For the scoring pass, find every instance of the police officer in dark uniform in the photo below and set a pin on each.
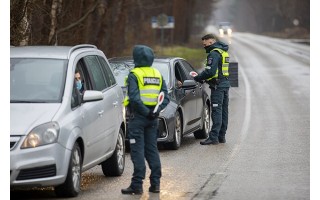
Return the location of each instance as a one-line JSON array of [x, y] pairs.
[[216, 75], [144, 85]]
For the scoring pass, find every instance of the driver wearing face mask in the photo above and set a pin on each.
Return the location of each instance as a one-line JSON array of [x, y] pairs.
[[79, 83]]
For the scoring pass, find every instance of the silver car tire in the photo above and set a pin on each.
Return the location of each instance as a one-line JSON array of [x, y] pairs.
[[71, 186], [114, 166]]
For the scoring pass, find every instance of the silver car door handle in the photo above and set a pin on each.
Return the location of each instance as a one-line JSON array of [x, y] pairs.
[[101, 113]]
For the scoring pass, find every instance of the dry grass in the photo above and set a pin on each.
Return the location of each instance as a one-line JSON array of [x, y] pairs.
[[196, 56]]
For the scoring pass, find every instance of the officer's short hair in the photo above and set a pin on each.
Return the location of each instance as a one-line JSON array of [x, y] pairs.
[[208, 36]]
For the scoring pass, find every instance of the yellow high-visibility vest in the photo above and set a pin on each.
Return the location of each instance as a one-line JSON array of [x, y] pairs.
[[225, 63], [126, 98], [149, 83]]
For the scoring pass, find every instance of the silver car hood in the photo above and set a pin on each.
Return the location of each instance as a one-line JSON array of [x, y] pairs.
[[25, 116]]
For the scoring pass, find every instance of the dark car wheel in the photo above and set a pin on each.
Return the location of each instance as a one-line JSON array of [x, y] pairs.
[[204, 131], [71, 187], [175, 144], [114, 166]]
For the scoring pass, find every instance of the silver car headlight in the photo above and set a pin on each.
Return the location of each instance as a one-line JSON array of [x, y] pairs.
[[42, 135]]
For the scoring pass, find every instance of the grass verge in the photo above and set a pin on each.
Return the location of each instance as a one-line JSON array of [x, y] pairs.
[[195, 56]]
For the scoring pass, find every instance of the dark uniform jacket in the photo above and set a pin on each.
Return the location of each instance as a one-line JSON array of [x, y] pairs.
[[142, 57], [213, 62]]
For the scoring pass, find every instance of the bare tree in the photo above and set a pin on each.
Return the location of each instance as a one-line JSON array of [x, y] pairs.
[[54, 20], [19, 23], [261, 16], [116, 25]]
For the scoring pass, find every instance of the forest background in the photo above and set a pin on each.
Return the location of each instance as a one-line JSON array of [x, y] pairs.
[[114, 26]]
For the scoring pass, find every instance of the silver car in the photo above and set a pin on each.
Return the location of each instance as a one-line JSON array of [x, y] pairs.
[[66, 117]]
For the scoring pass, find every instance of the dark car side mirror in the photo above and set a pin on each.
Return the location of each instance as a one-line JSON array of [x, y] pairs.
[[189, 84]]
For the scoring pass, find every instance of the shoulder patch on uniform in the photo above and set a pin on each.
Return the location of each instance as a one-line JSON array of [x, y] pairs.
[[210, 60]]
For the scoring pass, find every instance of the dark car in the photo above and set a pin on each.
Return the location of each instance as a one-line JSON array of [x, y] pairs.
[[225, 29], [189, 107]]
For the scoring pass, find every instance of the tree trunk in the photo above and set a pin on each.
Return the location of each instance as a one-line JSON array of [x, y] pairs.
[[54, 20], [19, 23]]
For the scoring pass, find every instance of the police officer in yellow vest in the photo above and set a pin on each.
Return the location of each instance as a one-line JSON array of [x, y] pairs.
[[216, 75], [144, 85]]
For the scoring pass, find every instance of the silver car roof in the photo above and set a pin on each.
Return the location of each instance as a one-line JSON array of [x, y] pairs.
[[57, 52]]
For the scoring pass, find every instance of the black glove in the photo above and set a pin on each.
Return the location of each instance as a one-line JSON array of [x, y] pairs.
[[196, 78], [152, 115]]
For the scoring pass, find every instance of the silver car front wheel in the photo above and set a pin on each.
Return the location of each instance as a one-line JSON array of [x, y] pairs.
[[71, 187]]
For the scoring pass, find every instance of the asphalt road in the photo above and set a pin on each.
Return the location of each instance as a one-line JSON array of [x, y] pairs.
[[267, 154]]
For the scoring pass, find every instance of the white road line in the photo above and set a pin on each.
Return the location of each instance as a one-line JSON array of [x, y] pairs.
[[246, 121], [215, 180]]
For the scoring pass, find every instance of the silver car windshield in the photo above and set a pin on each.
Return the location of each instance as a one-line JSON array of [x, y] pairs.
[[37, 80]]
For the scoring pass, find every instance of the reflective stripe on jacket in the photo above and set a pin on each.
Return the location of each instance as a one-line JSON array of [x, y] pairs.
[[126, 98], [149, 83], [225, 63]]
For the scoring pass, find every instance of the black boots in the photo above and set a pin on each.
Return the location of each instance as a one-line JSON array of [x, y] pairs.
[[222, 140], [209, 141], [154, 188], [129, 190]]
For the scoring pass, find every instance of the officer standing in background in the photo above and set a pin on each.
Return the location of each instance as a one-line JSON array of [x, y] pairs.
[[144, 85], [216, 75]]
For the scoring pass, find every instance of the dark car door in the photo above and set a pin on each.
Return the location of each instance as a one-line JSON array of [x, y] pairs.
[[197, 92], [186, 97]]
